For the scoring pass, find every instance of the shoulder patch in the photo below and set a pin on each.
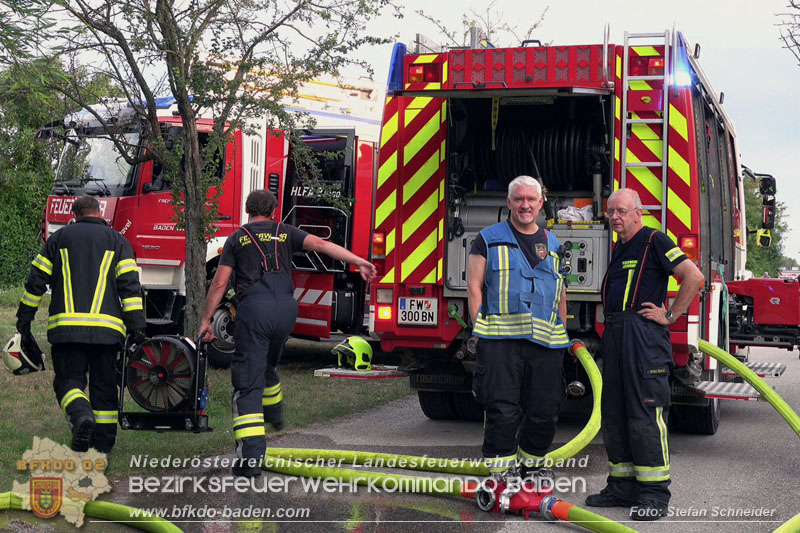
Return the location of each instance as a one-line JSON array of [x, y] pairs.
[[541, 250]]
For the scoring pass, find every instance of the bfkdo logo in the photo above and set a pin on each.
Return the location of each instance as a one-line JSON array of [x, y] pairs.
[[46, 495]]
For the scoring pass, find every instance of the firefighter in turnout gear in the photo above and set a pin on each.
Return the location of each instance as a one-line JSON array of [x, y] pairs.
[[637, 357], [95, 301], [258, 258], [517, 303]]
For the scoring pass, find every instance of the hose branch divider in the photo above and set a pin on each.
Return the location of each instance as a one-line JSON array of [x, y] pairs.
[[113, 512], [306, 463]]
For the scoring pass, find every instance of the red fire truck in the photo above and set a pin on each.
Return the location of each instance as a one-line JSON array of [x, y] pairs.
[[586, 120], [137, 202]]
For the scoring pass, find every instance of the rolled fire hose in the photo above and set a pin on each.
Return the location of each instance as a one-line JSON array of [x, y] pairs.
[[294, 461], [105, 511]]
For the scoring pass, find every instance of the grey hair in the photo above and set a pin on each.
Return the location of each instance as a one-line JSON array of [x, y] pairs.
[[637, 202], [524, 181]]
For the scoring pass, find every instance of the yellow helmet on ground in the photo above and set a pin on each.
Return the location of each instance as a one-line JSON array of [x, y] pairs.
[[354, 352]]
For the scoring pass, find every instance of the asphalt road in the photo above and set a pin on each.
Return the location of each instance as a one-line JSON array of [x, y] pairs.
[[751, 465]]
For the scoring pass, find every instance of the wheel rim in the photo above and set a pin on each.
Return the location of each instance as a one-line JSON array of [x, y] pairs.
[[222, 327]]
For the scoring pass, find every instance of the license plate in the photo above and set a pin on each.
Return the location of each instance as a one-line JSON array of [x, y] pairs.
[[418, 311]]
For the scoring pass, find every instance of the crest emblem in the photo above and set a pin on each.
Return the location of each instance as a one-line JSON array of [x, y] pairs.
[[541, 250], [46, 495]]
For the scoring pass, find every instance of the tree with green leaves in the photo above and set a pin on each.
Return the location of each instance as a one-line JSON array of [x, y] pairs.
[[230, 60]]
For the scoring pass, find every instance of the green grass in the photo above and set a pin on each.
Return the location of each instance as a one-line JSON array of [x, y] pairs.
[[28, 405]]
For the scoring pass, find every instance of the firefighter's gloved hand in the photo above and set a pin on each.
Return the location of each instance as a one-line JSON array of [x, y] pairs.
[[138, 337], [24, 326]]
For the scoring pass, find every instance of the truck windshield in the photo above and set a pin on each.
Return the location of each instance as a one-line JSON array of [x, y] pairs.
[[92, 164]]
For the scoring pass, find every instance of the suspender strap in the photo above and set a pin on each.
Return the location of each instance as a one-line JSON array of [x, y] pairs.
[[639, 273], [263, 255]]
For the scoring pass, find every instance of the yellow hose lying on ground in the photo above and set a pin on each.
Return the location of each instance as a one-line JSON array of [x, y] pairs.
[[106, 511]]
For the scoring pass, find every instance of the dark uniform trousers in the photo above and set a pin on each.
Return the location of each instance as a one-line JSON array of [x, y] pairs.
[[264, 320], [518, 381], [637, 356], [71, 362]]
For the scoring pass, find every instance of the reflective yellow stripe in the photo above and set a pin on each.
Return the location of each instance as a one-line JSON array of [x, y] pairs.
[[387, 168], [421, 138], [389, 277], [426, 248], [386, 208], [86, 319], [673, 254], [497, 325], [389, 129], [420, 177], [621, 469], [680, 209], [133, 303], [43, 264], [105, 417], [70, 396], [419, 216], [662, 430], [679, 166], [645, 176], [639, 85], [273, 389], [645, 50], [390, 242], [100, 288], [678, 122], [255, 431], [125, 266], [30, 299], [272, 395], [69, 304], [627, 289], [248, 419], [427, 58], [503, 262]]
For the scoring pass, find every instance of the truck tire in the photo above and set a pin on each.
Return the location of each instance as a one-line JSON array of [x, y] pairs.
[[697, 420], [466, 407], [437, 405]]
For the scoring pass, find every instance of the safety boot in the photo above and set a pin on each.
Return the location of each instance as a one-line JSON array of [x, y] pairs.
[[648, 510], [607, 499], [82, 431]]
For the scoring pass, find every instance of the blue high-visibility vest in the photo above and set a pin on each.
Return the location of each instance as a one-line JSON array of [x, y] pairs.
[[521, 301]]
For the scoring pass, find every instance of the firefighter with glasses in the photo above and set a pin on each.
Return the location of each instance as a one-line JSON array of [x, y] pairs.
[[517, 302], [637, 358], [95, 302], [258, 256]]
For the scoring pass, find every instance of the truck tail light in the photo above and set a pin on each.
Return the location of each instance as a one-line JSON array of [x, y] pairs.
[[429, 72], [688, 243], [379, 251], [646, 66], [384, 312]]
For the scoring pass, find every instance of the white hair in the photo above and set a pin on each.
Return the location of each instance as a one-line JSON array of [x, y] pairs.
[[637, 202], [524, 181]]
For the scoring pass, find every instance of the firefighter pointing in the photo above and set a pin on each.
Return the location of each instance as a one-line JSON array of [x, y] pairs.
[[258, 256], [95, 300], [517, 303], [637, 357]]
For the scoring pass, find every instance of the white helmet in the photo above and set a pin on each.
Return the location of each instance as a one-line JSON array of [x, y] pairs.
[[22, 355]]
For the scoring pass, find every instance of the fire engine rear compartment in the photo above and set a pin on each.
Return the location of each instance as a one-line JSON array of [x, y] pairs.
[[563, 139]]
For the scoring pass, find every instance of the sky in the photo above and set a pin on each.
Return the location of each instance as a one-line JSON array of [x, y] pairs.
[[741, 53]]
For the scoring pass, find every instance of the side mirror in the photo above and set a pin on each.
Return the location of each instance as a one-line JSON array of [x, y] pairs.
[[768, 212], [763, 238], [147, 187], [766, 185]]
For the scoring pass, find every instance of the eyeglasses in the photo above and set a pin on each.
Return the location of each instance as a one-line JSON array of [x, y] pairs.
[[621, 212]]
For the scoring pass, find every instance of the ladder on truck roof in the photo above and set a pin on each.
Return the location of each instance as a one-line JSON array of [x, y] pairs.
[[663, 120]]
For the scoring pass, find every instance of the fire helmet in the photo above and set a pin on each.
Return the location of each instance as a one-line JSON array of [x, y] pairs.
[[354, 352], [22, 355]]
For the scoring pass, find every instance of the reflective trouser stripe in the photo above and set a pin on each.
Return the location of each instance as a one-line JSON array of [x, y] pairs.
[[105, 417], [528, 459], [652, 473], [70, 396], [621, 469], [662, 432], [272, 395], [500, 464], [251, 425]]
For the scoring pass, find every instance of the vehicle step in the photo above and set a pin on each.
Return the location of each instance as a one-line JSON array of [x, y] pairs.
[[377, 372], [724, 390], [762, 369], [159, 321]]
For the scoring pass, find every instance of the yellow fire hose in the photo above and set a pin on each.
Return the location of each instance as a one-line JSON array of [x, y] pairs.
[[105, 511]]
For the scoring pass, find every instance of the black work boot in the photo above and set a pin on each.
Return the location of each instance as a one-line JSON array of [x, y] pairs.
[[246, 468], [648, 510], [607, 499], [82, 430]]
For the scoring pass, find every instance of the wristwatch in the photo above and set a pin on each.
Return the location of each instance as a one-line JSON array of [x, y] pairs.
[[670, 318]]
